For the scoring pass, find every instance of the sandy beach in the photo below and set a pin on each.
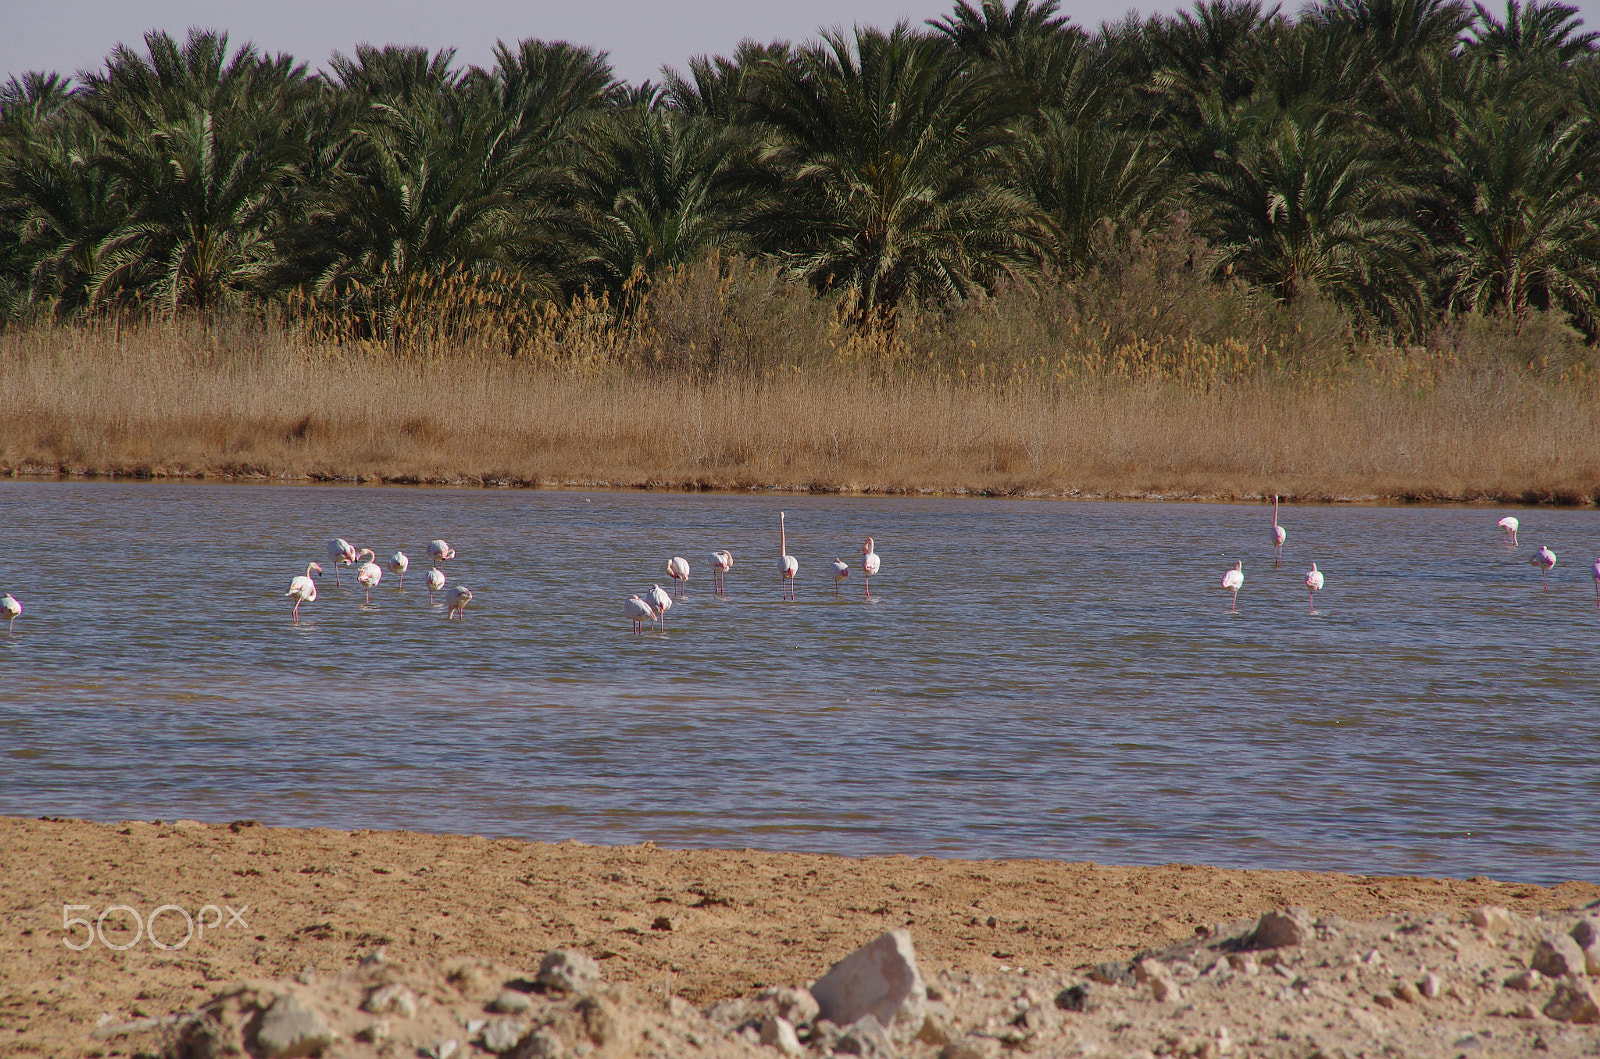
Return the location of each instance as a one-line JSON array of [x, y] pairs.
[[705, 925]]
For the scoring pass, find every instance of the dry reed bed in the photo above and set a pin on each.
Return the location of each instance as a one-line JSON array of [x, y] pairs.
[[179, 401]]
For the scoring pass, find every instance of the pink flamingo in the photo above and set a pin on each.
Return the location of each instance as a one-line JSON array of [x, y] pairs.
[[788, 565], [13, 610], [1314, 581], [1544, 559], [1232, 581], [841, 570], [302, 589], [369, 573], [721, 563], [678, 570], [1509, 525], [340, 551], [1278, 533], [457, 599], [660, 602], [638, 611], [869, 563], [399, 563], [435, 581]]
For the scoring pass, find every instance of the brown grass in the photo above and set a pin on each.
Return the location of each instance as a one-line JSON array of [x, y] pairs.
[[729, 380]]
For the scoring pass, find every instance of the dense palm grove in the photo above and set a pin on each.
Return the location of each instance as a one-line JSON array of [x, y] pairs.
[[1410, 159]]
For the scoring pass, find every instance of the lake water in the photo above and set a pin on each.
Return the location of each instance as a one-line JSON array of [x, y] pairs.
[[1029, 679]]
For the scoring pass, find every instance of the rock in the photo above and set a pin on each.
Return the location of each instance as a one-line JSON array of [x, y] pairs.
[[797, 1006], [1574, 1002], [1557, 956], [1085, 996], [936, 1029], [1407, 992], [778, 1032], [1431, 985], [1164, 988], [971, 1048], [1113, 974], [1492, 918], [290, 1028], [568, 970], [391, 998], [1527, 981], [540, 1045], [879, 979], [865, 1037], [502, 1035], [511, 1002], [600, 1019], [1244, 963], [1586, 933], [1276, 930]]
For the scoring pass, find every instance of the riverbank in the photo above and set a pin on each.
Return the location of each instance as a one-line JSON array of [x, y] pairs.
[[706, 925], [178, 401]]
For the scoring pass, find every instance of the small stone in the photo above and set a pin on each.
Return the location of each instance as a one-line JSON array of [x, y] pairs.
[[476, 1026], [1276, 930], [511, 1002], [1586, 933], [1407, 992], [879, 979], [1085, 996], [1557, 956], [1243, 963], [1492, 918], [1527, 981], [1431, 985], [936, 1029], [380, 1030], [971, 1048], [1113, 974], [1164, 988], [1574, 1002], [446, 1048], [778, 1032], [541, 1045], [502, 1035], [568, 970], [865, 1037], [600, 1019], [1383, 1000], [661, 923], [290, 1029], [394, 998], [798, 1006]]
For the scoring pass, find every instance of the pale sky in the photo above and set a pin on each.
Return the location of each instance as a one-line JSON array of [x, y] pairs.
[[641, 35]]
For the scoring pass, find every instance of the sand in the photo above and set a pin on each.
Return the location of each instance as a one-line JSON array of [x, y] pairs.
[[702, 924]]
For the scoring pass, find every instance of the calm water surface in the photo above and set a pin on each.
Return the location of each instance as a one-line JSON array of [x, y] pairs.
[[1029, 678]]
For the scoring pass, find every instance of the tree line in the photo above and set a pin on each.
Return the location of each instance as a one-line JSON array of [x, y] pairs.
[[1408, 159]]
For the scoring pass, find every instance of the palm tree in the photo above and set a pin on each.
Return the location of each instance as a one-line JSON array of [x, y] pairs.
[[1534, 30], [889, 150]]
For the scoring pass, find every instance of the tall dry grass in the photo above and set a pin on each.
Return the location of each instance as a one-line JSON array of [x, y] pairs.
[[1151, 381]]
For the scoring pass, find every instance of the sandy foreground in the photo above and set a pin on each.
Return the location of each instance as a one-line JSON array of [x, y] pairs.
[[456, 920]]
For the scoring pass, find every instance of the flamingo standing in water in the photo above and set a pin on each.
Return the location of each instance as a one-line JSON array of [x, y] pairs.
[[1509, 525], [302, 589], [369, 573], [1278, 533], [788, 565], [439, 551], [1544, 559], [841, 570], [13, 610], [638, 611], [721, 563], [869, 563], [678, 570], [660, 602], [1314, 581], [435, 581], [399, 564], [340, 551], [457, 598], [1232, 581], [1596, 584]]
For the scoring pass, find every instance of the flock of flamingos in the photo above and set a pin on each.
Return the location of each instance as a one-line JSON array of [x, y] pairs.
[[652, 607]]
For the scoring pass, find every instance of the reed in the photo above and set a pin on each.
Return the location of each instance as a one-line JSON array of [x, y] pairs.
[[726, 378]]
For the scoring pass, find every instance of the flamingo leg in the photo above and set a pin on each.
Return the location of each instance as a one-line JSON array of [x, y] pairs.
[[297, 612]]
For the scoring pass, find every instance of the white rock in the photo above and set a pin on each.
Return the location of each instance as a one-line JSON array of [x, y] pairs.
[[502, 1035], [290, 1029], [778, 1032], [1492, 918], [1557, 956], [798, 1006], [1289, 926], [391, 998], [879, 979], [569, 970], [511, 1002]]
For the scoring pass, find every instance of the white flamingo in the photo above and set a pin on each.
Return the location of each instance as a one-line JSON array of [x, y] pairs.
[[1544, 559], [340, 551], [435, 581], [1232, 581], [1314, 581], [1596, 584], [457, 598], [661, 602], [302, 589], [788, 565], [678, 570], [1509, 525], [638, 611], [439, 551], [721, 563], [841, 570], [369, 573], [399, 564], [869, 563], [13, 610], [1278, 533]]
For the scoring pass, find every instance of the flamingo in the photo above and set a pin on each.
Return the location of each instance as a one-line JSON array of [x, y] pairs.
[[369, 573], [1233, 580], [1509, 524], [721, 563], [399, 564], [1596, 584], [661, 603], [340, 551], [302, 589], [1314, 581], [841, 570], [1278, 532], [869, 563], [678, 570], [13, 610], [435, 581], [638, 611], [788, 565], [1544, 559], [439, 551], [457, 598]]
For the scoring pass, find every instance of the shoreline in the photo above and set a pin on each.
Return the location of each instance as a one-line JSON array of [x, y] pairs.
[[714, 924]]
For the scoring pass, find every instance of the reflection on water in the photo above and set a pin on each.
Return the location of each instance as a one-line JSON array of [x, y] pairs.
[[1029, 679]]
